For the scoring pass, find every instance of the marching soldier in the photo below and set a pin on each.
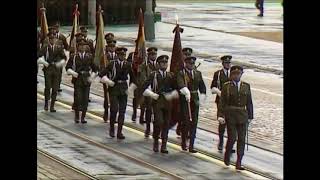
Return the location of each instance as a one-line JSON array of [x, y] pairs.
[[53, 58], [83, 71], [259, 6], [219, 78], [236, 109], [111, 55], [145, 70], [162, 91], [84, 31], [186, 52], [63, 40], [116, 76], [189, 82]]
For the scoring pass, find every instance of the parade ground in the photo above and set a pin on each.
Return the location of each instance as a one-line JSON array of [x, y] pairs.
[[85, 151]]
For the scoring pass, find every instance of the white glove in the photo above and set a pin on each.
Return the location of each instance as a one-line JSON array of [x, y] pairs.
[[171, 95], [107, 81], [249, 120], [61, 63], [221, 120], [151, 94], [185, 91], [132, 87], [215, 90], [93, 75], [42, 61], [72, 72], [202, 98]]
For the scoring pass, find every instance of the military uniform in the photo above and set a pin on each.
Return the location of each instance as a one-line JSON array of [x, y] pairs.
[[53, 55], [82, 64], [235, 108], [110, 56], [144, 72], [219, 78], [161, 82], [192, 80], [118, 72]]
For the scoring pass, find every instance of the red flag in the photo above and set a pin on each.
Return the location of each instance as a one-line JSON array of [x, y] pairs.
[[75, 28], [176, 65], [99, 56], [43, 23], [140, 50]]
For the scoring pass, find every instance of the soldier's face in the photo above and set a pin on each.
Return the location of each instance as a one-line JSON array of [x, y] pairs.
[[163, 65], [122, 56], [85, 34], [226, 65], [152, 56], [236, 76], [189, 65]]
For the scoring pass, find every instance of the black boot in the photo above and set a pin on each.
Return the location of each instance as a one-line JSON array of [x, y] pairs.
[[147, 132], [76, 117], [83, 115], [52, 106], [134, 114], [178, 130], [111, 130], [238, 164], [164, 146], [46, 104], [191, 149], [119, 133], [156, 145]]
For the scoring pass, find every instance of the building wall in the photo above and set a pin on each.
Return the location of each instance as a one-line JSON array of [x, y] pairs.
[[115, 11]]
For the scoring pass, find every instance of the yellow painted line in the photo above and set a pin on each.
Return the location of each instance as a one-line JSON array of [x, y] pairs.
[[174, 146]]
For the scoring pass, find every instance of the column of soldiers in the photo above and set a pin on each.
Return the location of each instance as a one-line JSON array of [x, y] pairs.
[[157, 86]]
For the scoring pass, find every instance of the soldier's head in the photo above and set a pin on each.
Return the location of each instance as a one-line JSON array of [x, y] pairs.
[[111, 45], [121, 53], [56, 25], [236, 73], [226, 61], [186, 52], [189, 62], [79, 37], [53, 30], [152, 53], [82, 46], [163, 62], [109, 36], [52, 38], [84, 31]]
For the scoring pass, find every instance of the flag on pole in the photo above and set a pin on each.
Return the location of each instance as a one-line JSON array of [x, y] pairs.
[[75, 29], [140, 50], [43, 23], [176, 65], [100, 58]]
